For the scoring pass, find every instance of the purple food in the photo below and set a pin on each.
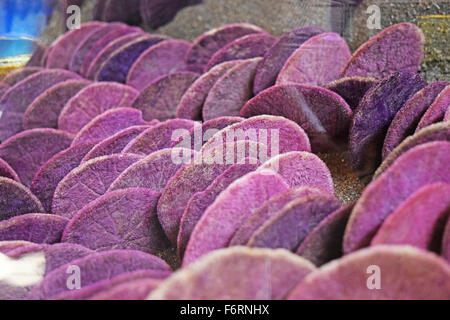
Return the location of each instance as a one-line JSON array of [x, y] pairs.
[[324, 242], [352, 89], [374, 115], [122, 219], [207, 44], [191, 103], [161, 98], [436, 111], [130, 290], [311, 64], [3, 88], [88, 182], [406, 274], [54, 170], [323, 114], [16, 199], [276, 56], [447, 115], [44, 111], [231, 91], [14, 77], [162, 59], [22, 154], [427, 163], [157, 137], [108, 124], [37, 228], [116, 67], [419, 220], [397, 48], [6, 246], [224, 217], [246, 47], [7, 172], [273, 274], [92, 101], [408, 117]]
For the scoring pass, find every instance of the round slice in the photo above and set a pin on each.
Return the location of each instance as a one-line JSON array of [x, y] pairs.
[[16, 199], [161, 98], [207, 44], [397, 48], [122, 219], [6, 246], [88, 182], [8, 172], [159, 60], [422, 165], [379, 273], [130, 290], [436, 111], [231, 91], [323, 114], [311, 63], [92, 101], [352, 89], [20, 74], [273, 274], [27, 151], [33, 227]]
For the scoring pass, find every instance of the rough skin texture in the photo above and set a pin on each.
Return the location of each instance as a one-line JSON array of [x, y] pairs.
[[352, 89], [8, 172], [436, 112]]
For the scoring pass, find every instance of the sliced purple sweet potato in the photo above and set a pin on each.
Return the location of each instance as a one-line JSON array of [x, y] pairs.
[[311, 63], [3, 88], [116, 67], [157, 137], [408, 117], [436, 132], [115, 143], [156, 13], [246, 47], [96, 267], [289, 227], [446, 242], [14, 77], [130, 290], [301, 169], [162, 59], [152, 172], [437, 110], [273, 274], [92, 101], [406, 274], [54, 170], [37, 228], [102, 56], [7, 172], [27, 151], [397, 48], [62, 50], [374, 115], [88, 182], [199, 135], [231, 91], [323, 114], [44, 111], [224, 217], [267, 211], [207, 44], [447, 115], [352, 89], [108, 124], [122, 219], [161, 98], [200, 201], [275, 58], [427, 163], [85, 46], [16, 199], [191, 104], [419, 220], [16, 100], [6, 246], [197, 176], [324, 242]]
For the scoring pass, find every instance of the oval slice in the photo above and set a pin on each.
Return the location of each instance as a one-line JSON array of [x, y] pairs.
[[273, 274], [352, 89], [426, 163], [20, 74], [310, 64], [8, 172], [397, 48], [23, 155], [406, 274], [436, 111], [130, 290], [162, 59], [88, 182]]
